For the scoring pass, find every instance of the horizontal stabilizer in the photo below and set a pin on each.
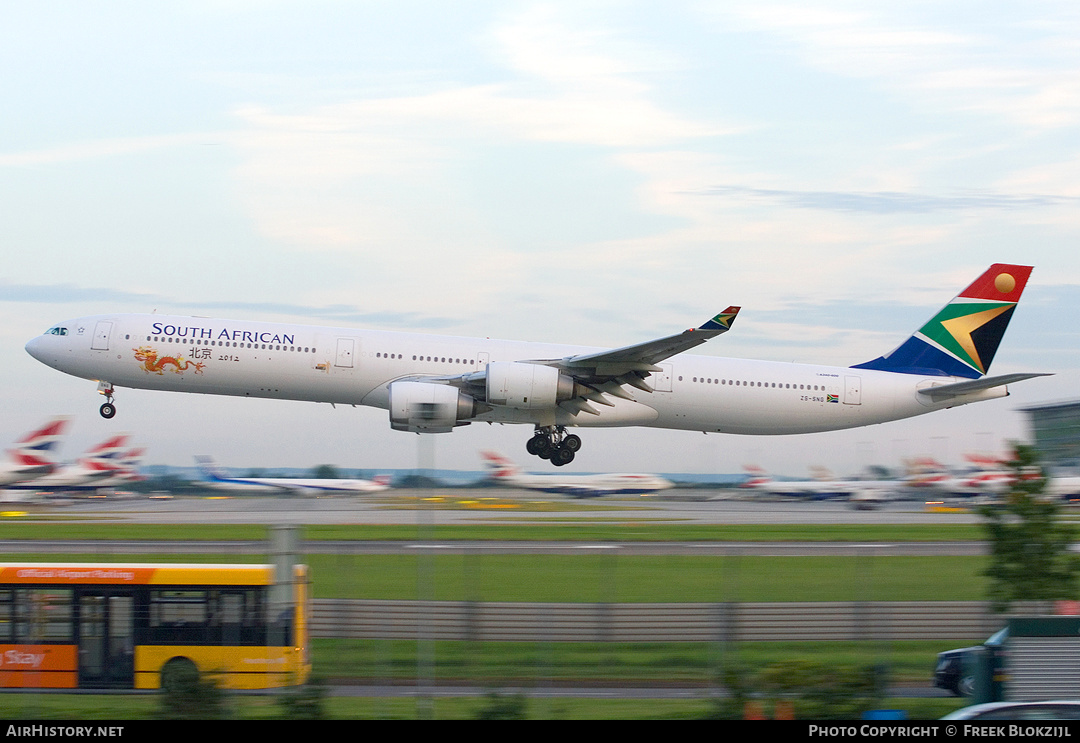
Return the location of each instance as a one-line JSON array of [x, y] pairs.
[[944, 391]]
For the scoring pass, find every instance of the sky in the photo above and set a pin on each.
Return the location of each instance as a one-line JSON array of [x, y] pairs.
[[595, 173]]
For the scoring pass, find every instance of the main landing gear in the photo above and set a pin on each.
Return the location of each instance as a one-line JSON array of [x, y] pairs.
[[554, 444], [107, 409]]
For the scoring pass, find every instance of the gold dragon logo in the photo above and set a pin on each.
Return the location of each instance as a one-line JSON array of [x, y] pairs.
[[176, 364]]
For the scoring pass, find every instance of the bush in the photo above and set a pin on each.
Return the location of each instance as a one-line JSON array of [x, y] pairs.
[[499, 707], [304, 702], [800, 688], [185, 695]]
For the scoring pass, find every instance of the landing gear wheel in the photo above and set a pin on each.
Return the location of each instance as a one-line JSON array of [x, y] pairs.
[[552, 442], [107, 410], [561, 455], [533, 445]]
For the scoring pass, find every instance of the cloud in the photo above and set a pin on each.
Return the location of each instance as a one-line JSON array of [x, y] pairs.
[[104, 148], [890, 202], [1017, 64], [73, 294]]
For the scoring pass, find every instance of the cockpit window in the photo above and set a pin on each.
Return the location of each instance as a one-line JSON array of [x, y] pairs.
[[56, 331]]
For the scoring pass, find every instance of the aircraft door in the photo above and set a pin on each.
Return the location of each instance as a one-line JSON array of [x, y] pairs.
[[346, 352], [853, 390], [661, 380], [102, 331]]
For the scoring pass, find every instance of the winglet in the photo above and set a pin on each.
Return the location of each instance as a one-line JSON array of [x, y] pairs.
[[723, 321]]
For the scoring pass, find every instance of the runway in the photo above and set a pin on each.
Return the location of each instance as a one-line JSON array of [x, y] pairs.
[[106, 547], [483, 506]]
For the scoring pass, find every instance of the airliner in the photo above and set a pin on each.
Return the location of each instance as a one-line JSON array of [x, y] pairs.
[[99, 467], [820, 488], [433, 384], [505, 472], [213, 477], [989, 477], [31, 456], [992, 477]]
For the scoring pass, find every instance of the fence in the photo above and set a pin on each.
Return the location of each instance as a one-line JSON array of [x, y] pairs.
[[684, 622]]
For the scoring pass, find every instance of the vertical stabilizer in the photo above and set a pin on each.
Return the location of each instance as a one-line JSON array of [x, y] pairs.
[[498, 466], [963, 337]]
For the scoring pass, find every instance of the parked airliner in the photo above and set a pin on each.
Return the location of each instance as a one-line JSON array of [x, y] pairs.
[[432, 384], [31, 456], [505, 472], [213, 477], [989, 476], [100, 466], [821, 488]]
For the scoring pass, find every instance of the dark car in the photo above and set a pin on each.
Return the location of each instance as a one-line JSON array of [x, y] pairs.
[[1052, 710], [955, 669]]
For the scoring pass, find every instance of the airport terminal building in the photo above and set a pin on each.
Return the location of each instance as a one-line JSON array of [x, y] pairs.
[[1056, 432]]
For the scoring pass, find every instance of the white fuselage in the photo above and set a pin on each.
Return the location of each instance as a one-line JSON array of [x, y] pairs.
[[818, 490], [349, 366], [73, 476], [585, 486], [290, 485], [11, 474]]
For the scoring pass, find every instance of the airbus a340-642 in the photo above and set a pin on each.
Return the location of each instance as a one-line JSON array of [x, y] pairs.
[[432, 384]]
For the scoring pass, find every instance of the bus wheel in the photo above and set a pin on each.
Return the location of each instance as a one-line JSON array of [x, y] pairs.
[[179, 674]]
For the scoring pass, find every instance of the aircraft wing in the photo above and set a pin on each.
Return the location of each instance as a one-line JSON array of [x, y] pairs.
[[606, 372], [945, 391], [644, 356]]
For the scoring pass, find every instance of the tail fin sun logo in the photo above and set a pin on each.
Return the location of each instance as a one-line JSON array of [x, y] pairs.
[[971, 327]]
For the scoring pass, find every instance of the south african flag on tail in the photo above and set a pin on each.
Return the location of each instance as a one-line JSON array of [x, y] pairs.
[[963, 337]]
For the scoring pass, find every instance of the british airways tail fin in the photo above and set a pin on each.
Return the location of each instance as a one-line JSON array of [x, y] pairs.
[[36, 447], [107, 454], [962, 338], [498, 466]]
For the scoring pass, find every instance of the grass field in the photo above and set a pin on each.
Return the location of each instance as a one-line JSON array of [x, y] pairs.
[[570, 530], [144, 707], [608, 577], [599, 576]]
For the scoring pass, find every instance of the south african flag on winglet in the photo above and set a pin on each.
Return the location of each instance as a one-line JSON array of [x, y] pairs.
[[722, 321], [963, 337]]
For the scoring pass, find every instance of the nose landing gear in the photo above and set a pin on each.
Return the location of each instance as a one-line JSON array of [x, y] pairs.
[[107, 409], [554, 444]]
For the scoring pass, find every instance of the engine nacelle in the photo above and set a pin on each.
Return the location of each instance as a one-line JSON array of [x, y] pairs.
[[422, 407], [526, 386]]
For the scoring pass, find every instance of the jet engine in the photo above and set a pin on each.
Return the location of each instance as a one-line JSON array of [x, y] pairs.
[[422, 407], [527, 386]]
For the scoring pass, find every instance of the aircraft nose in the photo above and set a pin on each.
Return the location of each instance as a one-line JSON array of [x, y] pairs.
[[35, 347]]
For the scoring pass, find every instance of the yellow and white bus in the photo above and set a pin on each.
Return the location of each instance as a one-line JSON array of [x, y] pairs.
[[137, 625]]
